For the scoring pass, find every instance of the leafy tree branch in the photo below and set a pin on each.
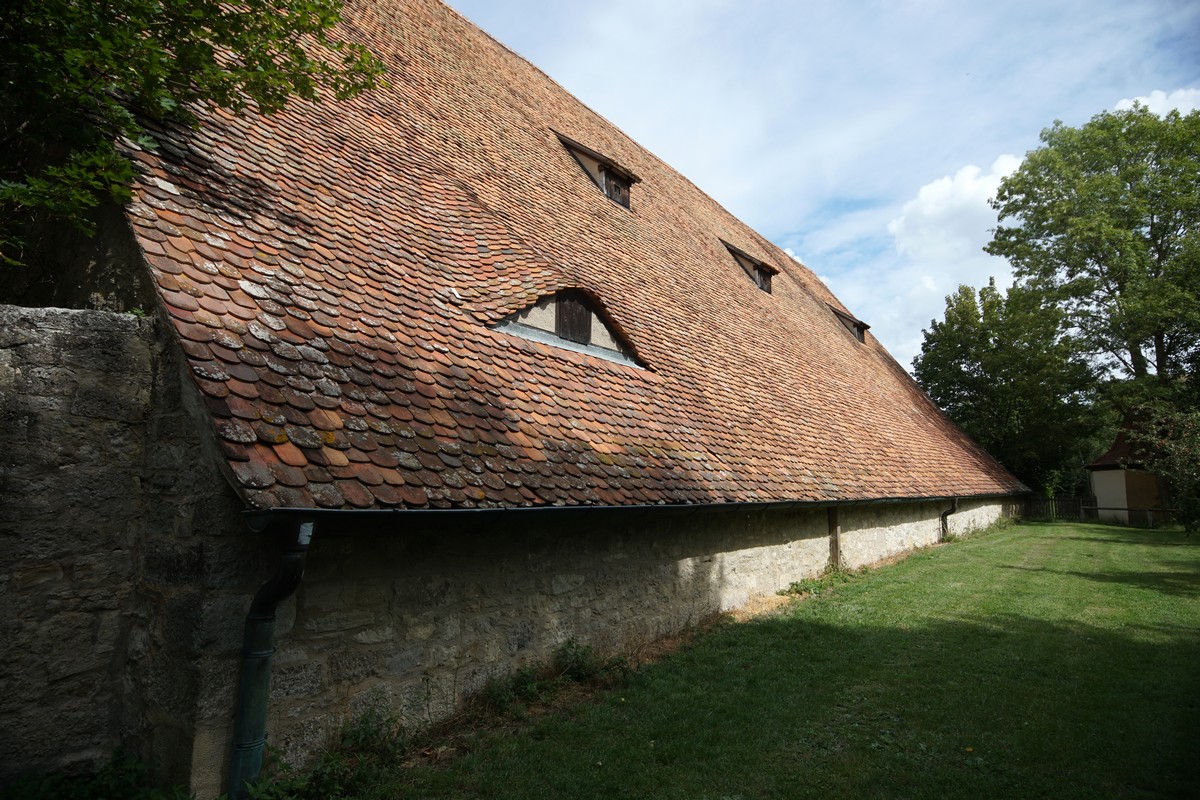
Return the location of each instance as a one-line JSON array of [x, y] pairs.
[[76, 75], [1102, 227], [1104, 219], [999, 365]]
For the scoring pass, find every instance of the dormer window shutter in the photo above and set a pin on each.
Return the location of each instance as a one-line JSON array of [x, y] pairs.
[[762, 279], [573, 318], [858, 329], [758, 271], [613, 180], [616, 186]]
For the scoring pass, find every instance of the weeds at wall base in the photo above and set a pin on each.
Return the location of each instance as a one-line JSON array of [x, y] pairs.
[[573, 665], [373, 750], [830, 578], [1004, 523], [364, 754], [123, 778]]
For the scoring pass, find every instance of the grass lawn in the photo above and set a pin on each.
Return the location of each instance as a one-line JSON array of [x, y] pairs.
[[1052, 660]]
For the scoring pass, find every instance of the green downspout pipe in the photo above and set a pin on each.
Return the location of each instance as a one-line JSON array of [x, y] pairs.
[[953, 509], [258, 645]]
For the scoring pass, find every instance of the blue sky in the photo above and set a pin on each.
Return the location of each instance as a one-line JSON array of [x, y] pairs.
[[863, 136]]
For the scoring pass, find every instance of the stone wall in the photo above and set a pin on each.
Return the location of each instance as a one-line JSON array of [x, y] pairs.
[[976, 515], [65, 267], [426, 618], [104, 475], [74, 397], [871, 533], [419, 619], [126, 572]]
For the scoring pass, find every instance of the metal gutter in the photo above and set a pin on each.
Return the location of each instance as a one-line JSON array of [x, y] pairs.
[[337, 520]]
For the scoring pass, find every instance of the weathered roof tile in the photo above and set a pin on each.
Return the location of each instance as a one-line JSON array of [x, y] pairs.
[[334, 295]]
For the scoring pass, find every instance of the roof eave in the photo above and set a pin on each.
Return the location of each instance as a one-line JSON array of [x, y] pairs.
[[340, 520]]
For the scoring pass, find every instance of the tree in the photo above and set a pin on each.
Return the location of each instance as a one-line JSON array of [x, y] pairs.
[[76, 75], [999, 366], [1170, 440], [1104, 220]]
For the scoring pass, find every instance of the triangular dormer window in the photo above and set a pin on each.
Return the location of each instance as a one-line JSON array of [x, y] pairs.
[[758, 271], [612, 179], [570, 319], [857, 327]]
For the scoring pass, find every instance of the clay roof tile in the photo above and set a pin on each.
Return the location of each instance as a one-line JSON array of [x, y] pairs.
[[335, 294]]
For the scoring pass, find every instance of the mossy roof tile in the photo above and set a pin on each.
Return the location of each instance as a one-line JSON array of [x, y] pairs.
[[333, 273]]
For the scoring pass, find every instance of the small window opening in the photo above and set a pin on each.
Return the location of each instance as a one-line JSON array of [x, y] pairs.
[[570, 319], [762, 279], [614, 180], [857, 327], [616, 186], [759, 272]]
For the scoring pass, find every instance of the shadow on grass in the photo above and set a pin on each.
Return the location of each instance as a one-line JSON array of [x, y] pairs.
[[1149, 541], [1001, 706], [1116, 534], [1180, 584]]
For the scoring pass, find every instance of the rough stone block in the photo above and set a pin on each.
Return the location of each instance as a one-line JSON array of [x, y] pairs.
[[222, 623], [36, 576], [173, 563], [377, 635], [110, 403], [405, 659], [296, 680], [348, 668]]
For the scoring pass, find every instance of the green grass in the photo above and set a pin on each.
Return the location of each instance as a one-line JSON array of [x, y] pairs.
[[1046, 660]]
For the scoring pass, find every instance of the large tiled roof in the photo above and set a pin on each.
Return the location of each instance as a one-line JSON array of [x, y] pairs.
[[333, 273]]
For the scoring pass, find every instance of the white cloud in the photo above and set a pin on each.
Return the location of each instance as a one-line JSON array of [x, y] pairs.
[[937, 244], [947, 223], [1159, 102]]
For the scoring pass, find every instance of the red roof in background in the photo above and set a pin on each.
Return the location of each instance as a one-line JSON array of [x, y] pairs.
[[1123, 454], [332, 272]]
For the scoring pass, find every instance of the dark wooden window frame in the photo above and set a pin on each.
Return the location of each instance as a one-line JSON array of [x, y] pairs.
[[575, 313], [615, 181], [857, 328], [759, 271], [573, 316], [616, 185]]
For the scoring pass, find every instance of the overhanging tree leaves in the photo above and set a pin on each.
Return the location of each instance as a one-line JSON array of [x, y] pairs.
[[1104, 220], [76, 74], [1170, 439], [999, 366]]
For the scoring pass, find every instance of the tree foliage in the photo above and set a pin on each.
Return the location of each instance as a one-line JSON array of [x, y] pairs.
[[1104, 220], [76, 75], [1001, 368], [1102, 227], [1170, 438]]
